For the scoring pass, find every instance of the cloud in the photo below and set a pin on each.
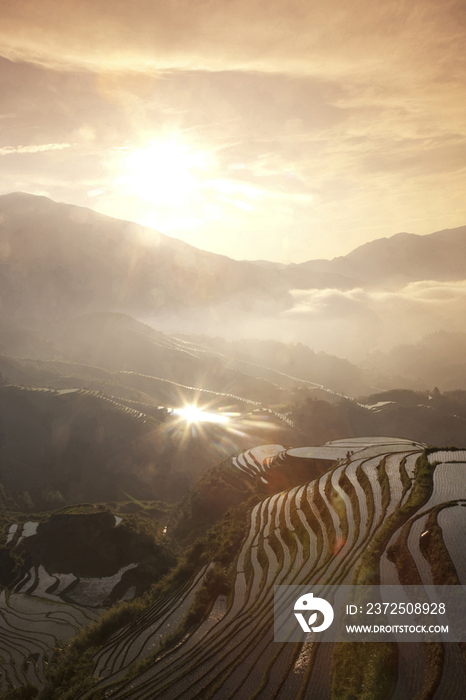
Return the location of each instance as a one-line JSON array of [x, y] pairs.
[[41, 148], [429, 291], [329, 303], [336, 302], [351, 323], [297, 36]]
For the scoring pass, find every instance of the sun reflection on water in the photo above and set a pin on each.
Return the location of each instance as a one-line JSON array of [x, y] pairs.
[[193, 414]]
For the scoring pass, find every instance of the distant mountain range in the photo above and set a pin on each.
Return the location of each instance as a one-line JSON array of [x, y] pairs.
[[67, 256], [400, 259], [59, 260], [70, 258]]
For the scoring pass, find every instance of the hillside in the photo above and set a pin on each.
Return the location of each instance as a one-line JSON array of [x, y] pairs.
[[80, 447], [72, 260], [59, 261], [87, 446], [360, 521], [287, 363], [437, 359], [96, 434]]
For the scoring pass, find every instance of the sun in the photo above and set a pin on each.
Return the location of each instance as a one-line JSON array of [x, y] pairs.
[[165, 172]]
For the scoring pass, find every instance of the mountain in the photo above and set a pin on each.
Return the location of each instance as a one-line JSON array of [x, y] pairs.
[[69, 259], [402, 258], [58, 261], [69, 255]]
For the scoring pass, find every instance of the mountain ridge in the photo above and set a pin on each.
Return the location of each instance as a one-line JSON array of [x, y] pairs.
[[63, 254], [58, 261], [440, 255]]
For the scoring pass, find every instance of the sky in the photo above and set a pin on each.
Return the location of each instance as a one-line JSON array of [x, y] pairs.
[[283, 131]]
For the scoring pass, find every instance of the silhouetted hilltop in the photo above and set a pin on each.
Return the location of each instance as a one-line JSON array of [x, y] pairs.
[[438, 359], [402, 258], [70, 259]]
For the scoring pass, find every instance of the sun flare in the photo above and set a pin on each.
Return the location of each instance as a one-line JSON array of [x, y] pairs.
[[193, 414]]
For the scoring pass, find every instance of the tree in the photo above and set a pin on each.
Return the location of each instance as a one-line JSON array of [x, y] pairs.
[[54, 498], [26, 501]]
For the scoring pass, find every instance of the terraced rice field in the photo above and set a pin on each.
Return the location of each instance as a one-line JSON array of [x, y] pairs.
[[44, 610], [362, 521], [256, 462], [319, 532], [114, 403], [135, 641], [86, 591], [447, 456], [453, 524], [29, 630]]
